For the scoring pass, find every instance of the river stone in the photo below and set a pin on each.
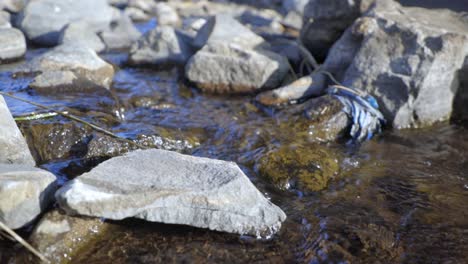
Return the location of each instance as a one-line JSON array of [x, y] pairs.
[[326, 20], [121, 33], [136, 14], [5, 19], [408, 58], [13, 6], [12, 44], [13, 147], [163, 186], [24, 191], [42, 20], [82, 32], [163, 45], [89, 69], [166, 15]]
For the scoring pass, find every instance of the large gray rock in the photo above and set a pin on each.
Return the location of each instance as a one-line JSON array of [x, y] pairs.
[[42, 20], [233, 59], [90, 70], [12, 44], [163, 45], [408, 58], [121, 34], [13, 6], [166, 14], [82, 32], [13, 147], [325, 21], [5, 19], [168, 187], [24, 191]]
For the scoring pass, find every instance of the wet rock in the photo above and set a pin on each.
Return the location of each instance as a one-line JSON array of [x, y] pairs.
[[58, 236], [12, 44], [83, 33], [121, 34], [231, 60], [415, 56], [56, 81], [166, 15], [42, 20], [305, 168], [13, 147], [325, 21], [163, 45], [460, 111], [136, 14], [168, 187], [4, 19], [24, 191], [90, 70], [294, 12]]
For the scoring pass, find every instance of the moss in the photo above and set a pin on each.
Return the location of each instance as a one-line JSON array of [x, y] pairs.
[[312, 167]]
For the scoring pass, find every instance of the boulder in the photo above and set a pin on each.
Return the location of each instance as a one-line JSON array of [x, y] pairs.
[[164, 186], [13, 147], [89, 69], [407, 57], [233, 59], [43, 20], [166, 15], [121, 34], [12, 44], [325, 20], [24, 191], [82, 32], [163, 45]]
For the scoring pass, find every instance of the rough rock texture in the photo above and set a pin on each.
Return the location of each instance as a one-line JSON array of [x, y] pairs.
[[325, 21], [90, 70], [58, 236], [12, 44], [168, 187], [13, 147], [233, 59], [82, 32], [166, 15], [294, 10], [42, 20], [163, 45], [121, 33], [13, 6], [55, 81], [24, 191], [408, 58]]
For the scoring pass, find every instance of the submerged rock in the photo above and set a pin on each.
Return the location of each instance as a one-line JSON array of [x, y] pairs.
[[43, 20], [408, 58], [161, 46], [12, 44], [13, 147], [24, 192], [168, 187], [305, 168]]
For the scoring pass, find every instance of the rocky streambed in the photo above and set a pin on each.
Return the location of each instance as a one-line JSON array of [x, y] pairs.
[[241, 174]]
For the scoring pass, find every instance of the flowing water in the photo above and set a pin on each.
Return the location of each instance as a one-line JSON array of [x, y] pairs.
[[401, 197]]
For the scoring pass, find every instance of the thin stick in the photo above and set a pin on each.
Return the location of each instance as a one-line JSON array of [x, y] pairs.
[[75, 118], [23, 242]]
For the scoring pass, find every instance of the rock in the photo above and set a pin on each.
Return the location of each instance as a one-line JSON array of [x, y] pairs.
[[13, 147], [163, 45], [58, 236], [166, 15], [121, 34], [231, 60], [326, 20], [24, 191], [408, 58], [263, 22], [460, 111], [147, 6], [118, 3], [308, 169], [136, 14], [12, 44], [168, 187], [52, 82], [13, 6], [82, 32], [90, 70], [5, 19], [43, 20]]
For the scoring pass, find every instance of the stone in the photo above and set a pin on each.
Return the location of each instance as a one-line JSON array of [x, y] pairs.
[[52, 82], [12, 44], [43, 20], [90, 70], [163, 45], [58, 236], [325, 21], [25, 192], [13, 147], [408, 58], [147, 6], [263, 22], [121, 34], [163, 186], [5, 19], [166, 15], [13, 6], [82, 32], [136, 14]]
